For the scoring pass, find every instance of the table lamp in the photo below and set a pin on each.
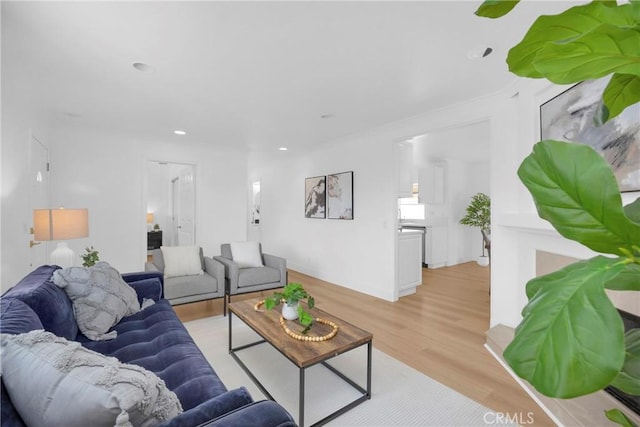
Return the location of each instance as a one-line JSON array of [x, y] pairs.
[[61, 224], [149, 221]]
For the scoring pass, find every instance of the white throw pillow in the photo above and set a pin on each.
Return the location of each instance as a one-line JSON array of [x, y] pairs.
[[100, 297], [246, 254], [181, 261], [55, 382]]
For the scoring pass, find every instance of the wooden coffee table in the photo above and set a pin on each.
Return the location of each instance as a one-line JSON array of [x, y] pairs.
[[301, 353]]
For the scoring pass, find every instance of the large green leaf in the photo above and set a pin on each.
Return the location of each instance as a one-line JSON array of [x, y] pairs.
[[622, 91], [570, 24], [632, 210], [496, 8], [605, 50], [618, 417], [574, 189], [570, 341], [627, 280], [628, 380]]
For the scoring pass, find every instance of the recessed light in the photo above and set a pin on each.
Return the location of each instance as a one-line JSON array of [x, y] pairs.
[[179, 132], [141, 66], [283, 148]]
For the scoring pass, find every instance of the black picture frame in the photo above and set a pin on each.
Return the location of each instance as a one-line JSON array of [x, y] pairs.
[[574, 116], [315, 197], [340, 195]]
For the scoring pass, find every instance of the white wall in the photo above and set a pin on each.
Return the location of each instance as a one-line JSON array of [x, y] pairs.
[[19, 121], [106, 173], [356, 253]]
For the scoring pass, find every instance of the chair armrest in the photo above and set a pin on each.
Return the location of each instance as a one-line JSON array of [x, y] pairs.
[[212, 408], [230, 272], [148, 285], [215, 269], [279, 263], [265, 413]]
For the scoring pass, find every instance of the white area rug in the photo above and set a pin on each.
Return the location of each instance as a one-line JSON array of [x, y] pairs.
[[401, 396]]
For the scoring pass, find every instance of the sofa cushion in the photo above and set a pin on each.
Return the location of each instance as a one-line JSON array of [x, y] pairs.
[[155, 339], [181, 261], [50, 303], [100, 298], [177, 287], [246, 254], [76, 386], [257, 276], [17, 317]]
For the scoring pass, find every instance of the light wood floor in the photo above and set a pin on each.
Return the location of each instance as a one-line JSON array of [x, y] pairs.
[[439, 331]]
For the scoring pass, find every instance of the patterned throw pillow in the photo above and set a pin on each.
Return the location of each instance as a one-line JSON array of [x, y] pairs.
[[56, 382], [100, 298]]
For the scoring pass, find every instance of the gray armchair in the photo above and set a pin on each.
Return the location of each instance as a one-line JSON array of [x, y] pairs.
[[186, 289], [251, 279]]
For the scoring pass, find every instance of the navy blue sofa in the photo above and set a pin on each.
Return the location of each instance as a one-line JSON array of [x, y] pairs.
[[153, 338]]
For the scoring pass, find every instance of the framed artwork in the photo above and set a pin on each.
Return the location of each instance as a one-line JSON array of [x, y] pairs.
[[340, 196], [575, 115], [315, 195]]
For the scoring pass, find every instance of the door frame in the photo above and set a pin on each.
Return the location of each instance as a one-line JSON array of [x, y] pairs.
[[145, 199]]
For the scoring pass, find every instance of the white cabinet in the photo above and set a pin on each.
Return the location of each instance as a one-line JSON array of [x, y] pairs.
[[436, 246], [431, 184], [409, 265], [404, 164]]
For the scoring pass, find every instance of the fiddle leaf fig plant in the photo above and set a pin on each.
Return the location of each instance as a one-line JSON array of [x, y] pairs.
[[571, 340]]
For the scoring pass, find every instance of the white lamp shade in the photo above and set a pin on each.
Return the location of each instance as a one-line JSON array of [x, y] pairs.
[[60, 224], [149, 218]]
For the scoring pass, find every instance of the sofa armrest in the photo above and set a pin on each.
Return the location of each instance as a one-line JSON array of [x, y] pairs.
[[215, 269], [230, 272], [279, 263], [212, 408], [265, 413], [147, 285]]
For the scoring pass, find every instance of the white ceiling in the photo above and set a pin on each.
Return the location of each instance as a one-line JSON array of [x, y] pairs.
[[254, 75]]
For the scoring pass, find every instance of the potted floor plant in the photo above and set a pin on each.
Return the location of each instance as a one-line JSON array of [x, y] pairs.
[[479, 215], [571, 340], [290, 297]]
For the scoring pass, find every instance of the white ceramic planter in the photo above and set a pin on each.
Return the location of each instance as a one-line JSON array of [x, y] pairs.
[[290, 312], [483, 261]]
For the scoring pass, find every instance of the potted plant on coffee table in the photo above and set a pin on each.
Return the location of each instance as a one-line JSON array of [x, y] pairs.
[[290, 296]]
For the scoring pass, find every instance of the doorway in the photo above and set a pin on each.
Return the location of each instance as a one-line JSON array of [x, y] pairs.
[[171, 204]]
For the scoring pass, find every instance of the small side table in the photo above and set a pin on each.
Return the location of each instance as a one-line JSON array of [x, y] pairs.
[[154, 240]]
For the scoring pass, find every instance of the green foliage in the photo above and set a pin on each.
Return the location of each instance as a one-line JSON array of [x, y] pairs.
[[584, 42], [292, 294], [478, 212], [618, 417], [496, 8], [575, 189], [91, 257], [571, 340]]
